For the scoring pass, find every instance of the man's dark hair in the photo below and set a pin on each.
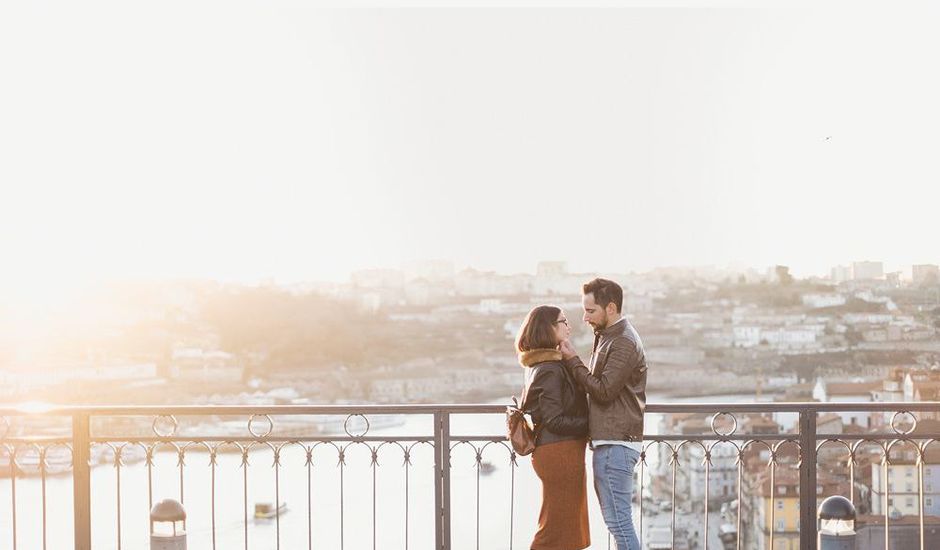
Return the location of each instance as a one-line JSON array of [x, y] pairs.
[[605, 291]]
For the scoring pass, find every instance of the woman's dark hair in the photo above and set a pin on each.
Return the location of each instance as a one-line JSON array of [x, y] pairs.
[[538, 329]]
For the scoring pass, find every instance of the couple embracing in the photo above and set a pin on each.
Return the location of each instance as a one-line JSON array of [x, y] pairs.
[[571, 403]]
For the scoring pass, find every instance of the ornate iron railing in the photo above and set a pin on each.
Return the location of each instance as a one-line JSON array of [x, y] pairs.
[[299, 442]]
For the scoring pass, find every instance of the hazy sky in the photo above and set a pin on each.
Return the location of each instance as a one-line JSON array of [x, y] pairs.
[[246, 140]]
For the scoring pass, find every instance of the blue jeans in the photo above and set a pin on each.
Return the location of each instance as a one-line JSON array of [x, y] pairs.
[[613, 482]]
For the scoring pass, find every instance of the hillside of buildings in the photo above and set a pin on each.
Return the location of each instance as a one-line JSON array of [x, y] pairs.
[[434, 335]]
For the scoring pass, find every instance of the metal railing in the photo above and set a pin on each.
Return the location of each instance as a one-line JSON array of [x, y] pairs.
[[114, 434]]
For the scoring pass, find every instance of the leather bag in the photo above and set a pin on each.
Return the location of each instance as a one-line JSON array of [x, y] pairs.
[[521, 435]]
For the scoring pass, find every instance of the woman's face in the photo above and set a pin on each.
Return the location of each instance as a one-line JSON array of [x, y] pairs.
[[562, 330]]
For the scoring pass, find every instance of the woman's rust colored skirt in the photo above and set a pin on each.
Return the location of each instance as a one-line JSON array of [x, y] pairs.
[[563, 520]]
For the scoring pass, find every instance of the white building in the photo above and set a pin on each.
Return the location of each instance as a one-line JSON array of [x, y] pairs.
[[817, 301], [863, 271], [841, 273], [747, 336], [925, 274], [722, 473], [867, 318], [902, 489], [847, 392], [791, 338], [779, 338]]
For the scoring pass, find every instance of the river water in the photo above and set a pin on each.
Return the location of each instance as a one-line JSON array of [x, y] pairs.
[[389, 506]]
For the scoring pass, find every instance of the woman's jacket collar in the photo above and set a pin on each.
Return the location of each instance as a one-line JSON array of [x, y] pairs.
[[534, 356]]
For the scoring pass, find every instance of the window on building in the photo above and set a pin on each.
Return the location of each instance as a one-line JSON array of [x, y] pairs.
[[929, 501], [909, 502], [782, 490], [781, 525], [908, 472], [890, 502], [779, 505]]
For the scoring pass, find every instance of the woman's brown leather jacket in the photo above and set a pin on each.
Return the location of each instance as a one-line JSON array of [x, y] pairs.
[[558, 407]]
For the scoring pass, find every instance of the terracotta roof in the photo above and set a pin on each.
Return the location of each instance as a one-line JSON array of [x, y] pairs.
[[928, 425], [853, 429], [790, 478], [927, 391], [757, 420]]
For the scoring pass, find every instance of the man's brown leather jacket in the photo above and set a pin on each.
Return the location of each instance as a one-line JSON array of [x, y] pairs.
[[615, 383]]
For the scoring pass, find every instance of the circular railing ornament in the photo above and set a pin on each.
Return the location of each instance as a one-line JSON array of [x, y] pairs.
[[165, 426], [896, 423], [251, 425], [347, 428], [714, 424]]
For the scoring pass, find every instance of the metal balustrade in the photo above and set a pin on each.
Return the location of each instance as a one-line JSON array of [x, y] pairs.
[[288, 436]]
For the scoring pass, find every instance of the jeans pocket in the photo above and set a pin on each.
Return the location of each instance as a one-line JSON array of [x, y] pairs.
[[632, 456], [621, 459]]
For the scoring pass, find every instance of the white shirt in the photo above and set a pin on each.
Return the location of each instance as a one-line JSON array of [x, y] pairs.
[[635, 445]]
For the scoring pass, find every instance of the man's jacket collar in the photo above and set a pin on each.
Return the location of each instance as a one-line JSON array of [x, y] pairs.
[[613, 329]]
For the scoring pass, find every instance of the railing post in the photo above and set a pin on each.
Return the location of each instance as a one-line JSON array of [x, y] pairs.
[[442, 479], [81, 480], [807, 479]]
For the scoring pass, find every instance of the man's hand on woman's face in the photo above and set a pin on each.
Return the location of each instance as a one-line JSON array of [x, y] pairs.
[[567, 350]]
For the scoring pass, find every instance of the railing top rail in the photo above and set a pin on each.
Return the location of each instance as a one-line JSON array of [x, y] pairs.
[[667, 408], [788, 406]]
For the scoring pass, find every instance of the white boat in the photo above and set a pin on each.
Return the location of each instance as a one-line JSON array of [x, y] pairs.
[[266, 510], [727, 532]]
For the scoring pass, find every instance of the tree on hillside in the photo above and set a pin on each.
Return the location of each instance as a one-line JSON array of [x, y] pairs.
[[293, 330]]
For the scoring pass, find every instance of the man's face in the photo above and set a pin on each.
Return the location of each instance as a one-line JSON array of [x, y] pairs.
[[594, 315]]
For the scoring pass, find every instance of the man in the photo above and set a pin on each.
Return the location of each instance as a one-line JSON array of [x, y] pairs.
[[616, 388]]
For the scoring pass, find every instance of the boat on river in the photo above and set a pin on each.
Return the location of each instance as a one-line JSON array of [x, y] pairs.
[[266, 510]]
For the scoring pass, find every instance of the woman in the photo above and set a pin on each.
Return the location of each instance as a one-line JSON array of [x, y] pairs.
[[559, 414]]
